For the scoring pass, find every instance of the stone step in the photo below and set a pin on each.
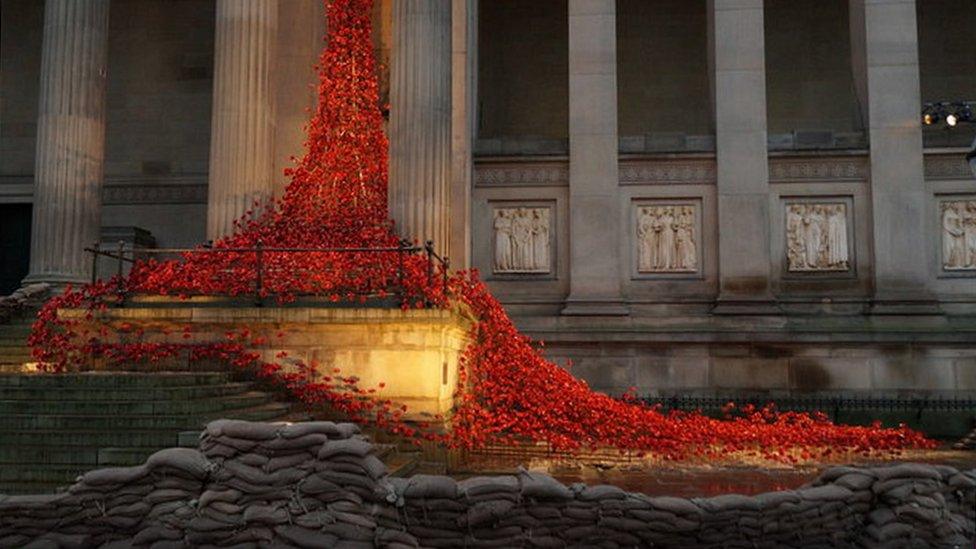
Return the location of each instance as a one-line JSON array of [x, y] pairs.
[[134, 407], [124, 457], [15, 358], [33, 455], [124, 393], [20, 351], [177, 422], [41, 472], [40, 487], [114, 379], [104, 439]]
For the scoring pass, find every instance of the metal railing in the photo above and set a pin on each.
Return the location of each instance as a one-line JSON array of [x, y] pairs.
[[123, 255]]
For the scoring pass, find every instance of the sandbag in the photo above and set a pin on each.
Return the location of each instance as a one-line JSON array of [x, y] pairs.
[[352, 446], [187, 460], [248, 430]]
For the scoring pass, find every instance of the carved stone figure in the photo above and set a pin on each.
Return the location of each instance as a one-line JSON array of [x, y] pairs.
[[503, 241], [816, 237], [666, 239], [687, 251], [959, 235], [837, 253], [522, 240], [540, 240]]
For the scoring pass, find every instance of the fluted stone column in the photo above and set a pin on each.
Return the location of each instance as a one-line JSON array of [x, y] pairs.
[[70, 158], [737, 38], [242, 133], [420, 121], [884, 39], [594, 205]]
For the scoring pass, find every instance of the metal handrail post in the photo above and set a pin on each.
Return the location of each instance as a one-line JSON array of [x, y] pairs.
[[259, 282], [446, 265], [120, 283], [401, 245], [429, 250], [95, 253]]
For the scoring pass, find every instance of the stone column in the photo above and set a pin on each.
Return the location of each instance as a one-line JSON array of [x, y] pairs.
[[420, 121], [594, 206], [464, 78], [884, 39], [301, 37], [742, 166], [243, 122], [69, 168]]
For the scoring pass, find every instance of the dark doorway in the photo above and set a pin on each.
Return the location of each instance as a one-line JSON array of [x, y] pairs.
[[15, 232]]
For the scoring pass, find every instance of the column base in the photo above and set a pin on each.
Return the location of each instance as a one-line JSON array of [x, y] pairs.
[[755, 306], [595, 307], [57, 281]]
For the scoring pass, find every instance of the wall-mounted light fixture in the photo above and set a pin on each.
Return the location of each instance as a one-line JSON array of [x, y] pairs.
[[953, 113]]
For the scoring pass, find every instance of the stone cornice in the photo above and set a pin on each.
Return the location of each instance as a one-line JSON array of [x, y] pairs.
[[667, 172], [514, 173], [188, 189], [947, 166], [801, 169]]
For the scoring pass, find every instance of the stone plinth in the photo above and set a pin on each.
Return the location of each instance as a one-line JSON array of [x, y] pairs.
[[414, 353]]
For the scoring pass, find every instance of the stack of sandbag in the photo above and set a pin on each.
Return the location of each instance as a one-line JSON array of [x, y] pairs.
[[146, 504], [38, 519], [319, 485], [314, 484], [669, 521], [118, 506], [915, 505]]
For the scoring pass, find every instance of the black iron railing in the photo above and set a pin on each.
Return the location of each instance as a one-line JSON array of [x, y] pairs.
[[123, 255]]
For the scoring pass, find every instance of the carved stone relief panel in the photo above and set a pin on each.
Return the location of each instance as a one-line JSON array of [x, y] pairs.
[[668, 239], [958, 220], [522, 241], [817, 237]]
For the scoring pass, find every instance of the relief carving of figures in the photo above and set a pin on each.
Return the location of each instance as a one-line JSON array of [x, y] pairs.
[[816, 237], [521, 240], [666, 239], [959, 235]]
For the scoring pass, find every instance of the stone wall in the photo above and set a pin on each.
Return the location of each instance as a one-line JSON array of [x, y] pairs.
[[662, 71], [319, 485], [410, 356], [947, 61], [809, 79], [523, 70]]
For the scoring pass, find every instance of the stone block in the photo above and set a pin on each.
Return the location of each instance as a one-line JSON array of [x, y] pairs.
[[630, 144], [965, 372], [813, 139], [666, 141], [606, 374], [749, 373], [827, 374], [671, 373], [700, 142], [913, 374]]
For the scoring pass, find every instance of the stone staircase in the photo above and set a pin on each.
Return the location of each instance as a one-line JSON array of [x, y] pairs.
[[55, 426], [14, 351]]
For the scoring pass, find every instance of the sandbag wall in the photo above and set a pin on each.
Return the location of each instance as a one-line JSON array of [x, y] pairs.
[[317, 484]]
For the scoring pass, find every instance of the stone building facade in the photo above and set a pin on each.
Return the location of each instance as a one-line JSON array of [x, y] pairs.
[[686, 196]]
